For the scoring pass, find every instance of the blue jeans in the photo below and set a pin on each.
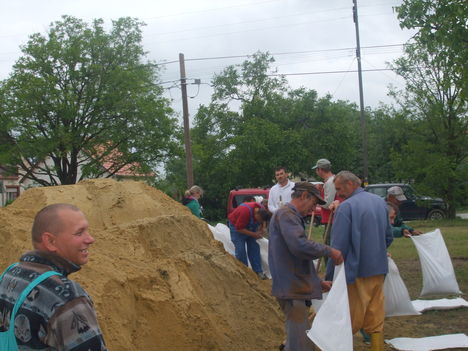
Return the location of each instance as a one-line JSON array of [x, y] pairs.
[[253, 249]]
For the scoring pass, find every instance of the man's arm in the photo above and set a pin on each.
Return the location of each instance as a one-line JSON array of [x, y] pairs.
[[402, 230], [296, 240], [329, 193], [340, 234], [272, 199], [388, 233], [397, 232], [74, 327], [242, 222]]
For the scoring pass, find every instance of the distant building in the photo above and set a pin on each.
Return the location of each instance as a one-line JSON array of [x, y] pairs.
[[12, 185], [9, 187]]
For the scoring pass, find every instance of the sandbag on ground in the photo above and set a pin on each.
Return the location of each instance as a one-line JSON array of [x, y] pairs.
[[397, 299], [440, 304], [437, 269], [440, 342]]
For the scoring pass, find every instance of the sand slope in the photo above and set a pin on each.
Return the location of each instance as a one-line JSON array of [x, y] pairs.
[[157, 277]]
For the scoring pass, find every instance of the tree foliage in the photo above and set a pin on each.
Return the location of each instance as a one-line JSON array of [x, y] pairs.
[[442, 30], [255, 123], [434, 100], [79, 97]]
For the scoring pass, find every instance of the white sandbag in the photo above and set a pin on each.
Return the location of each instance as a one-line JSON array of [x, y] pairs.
[[222, 233], [437, 269], [441, 342], [316, 304], [264, 256], [440, 304], [397, 299], [331, 328]]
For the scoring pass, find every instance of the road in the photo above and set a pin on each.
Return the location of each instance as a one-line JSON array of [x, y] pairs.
[[462, 215]]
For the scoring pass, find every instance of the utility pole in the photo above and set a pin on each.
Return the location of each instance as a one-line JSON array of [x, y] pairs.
[[188, 142], [365, 167]]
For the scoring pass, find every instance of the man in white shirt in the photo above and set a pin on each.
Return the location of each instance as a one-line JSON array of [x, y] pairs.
[[280, 193]]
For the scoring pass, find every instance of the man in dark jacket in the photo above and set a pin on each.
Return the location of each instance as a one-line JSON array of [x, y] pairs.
[[56, 313], [290, 256], [395, 196]]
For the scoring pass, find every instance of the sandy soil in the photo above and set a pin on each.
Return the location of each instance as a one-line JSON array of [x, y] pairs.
[[158, 279]]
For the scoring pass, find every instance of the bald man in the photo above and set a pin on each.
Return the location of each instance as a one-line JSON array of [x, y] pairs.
[[48, 310]]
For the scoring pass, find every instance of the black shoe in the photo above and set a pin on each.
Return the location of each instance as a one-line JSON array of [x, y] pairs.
[[262, 276]]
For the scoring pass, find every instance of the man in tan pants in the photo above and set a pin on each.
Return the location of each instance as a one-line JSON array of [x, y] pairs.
[[362, 232]]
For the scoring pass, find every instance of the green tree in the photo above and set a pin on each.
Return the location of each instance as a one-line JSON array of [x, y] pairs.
[[81, 97], [255, 122], [442, 30], [436, 155], [389, 131]]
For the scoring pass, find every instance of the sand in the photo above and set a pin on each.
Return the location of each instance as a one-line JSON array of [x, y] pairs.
[[156, 275]]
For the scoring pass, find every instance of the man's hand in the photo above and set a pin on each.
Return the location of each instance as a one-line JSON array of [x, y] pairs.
[[336, 256], [334, 205], [406, 233], [416, 232], [258, 234], [325, 285]]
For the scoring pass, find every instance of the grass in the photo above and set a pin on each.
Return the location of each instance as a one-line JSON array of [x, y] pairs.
[[430, 323], [455, 233], [403, 251]]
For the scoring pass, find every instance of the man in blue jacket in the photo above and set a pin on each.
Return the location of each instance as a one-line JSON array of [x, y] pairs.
[[290, 256], [362, 232]]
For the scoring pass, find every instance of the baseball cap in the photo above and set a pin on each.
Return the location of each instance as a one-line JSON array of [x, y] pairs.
[[322, 163], [397, 192], [311, 189]]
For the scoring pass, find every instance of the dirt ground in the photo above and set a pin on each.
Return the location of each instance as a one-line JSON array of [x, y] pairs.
[[160, 282], [430, 323]]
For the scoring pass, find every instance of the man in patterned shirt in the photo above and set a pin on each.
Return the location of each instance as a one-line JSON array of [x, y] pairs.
[[57, 313]]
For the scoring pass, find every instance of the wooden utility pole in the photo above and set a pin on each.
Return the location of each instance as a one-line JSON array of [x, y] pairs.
[[365, 167], [187, 140]]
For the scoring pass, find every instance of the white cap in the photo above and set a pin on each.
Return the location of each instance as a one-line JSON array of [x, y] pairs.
[[397, 192]]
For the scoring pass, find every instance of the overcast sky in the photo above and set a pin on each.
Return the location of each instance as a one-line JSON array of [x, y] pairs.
[[321, 31]]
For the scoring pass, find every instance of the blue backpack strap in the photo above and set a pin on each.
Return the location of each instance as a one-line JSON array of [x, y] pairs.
[[6, 270], [26, 292]]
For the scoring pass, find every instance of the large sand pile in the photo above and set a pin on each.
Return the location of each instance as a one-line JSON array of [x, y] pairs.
[[158, 279]]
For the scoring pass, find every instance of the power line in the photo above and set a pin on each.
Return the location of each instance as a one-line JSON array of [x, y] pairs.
[[280, 53], [344, 75], [288, 25], [334, 10], [297, 74], [327, 72]]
